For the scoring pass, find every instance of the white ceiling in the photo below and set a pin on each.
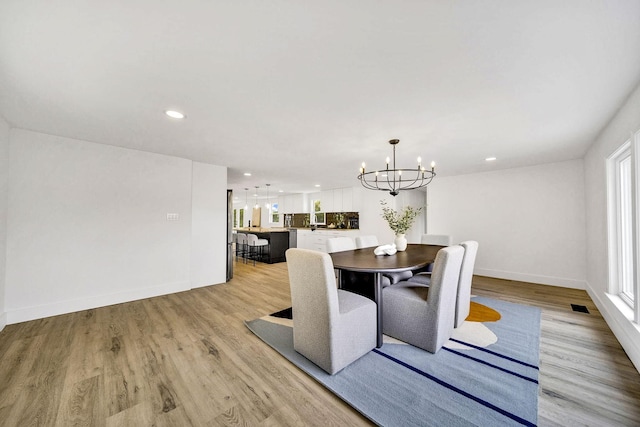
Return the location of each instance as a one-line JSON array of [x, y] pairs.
[[300, 93]]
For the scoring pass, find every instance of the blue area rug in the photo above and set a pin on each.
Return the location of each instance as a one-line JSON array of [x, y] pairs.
[[486, 375]]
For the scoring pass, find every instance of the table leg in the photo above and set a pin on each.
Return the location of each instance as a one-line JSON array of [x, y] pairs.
[[378, 297]]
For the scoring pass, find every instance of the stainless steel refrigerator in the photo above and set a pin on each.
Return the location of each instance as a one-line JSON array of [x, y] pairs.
[[229, 235]]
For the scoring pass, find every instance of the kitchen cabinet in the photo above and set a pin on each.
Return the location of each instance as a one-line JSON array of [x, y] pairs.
[[317, 240], [300, 203], [337, 200], [338, 203], [283, 206], [293, 203], [352, 199], [326, 198]]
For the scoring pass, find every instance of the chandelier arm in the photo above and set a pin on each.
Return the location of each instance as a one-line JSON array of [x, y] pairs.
[[368, 184], [392, 187], [410, 185], [414, 181], [421, 180]]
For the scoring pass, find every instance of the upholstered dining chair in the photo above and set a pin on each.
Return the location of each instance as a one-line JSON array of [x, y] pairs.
[[423, 276], [366, 241], [425, 316], [339, 244], [463, 297], [331, 327], [436, 239]]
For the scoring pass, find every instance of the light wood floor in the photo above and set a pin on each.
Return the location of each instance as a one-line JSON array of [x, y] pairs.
[[187, 359]]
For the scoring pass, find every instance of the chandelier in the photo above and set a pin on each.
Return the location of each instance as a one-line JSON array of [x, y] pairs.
[[395, 179]]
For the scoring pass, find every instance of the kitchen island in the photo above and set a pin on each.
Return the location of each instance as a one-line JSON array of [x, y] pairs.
[[278, 242]]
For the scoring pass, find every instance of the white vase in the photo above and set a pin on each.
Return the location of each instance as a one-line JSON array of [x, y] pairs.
[[400, 242]]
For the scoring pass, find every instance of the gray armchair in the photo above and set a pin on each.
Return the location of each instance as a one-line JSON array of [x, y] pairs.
[[425, 316], [331, 327]]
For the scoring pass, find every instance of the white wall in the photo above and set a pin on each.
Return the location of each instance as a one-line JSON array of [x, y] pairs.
[[4, 189], [529, 222], [208, 231], [619, 129], [87, 225]]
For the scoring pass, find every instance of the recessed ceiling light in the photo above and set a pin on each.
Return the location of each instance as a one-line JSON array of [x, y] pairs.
[[247, 174], [490, 159], [317, 185], [280, 191], [175, 114]]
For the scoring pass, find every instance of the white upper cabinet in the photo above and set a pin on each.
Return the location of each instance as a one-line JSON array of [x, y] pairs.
[[326, 198], [347, 199], [283, 207], [337, 201], [300, 203], [293, 203], [355, 198]]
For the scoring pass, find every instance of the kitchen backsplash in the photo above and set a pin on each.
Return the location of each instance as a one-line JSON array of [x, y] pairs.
[[340, 220]]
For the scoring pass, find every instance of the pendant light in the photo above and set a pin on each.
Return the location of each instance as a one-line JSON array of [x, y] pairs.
[[256, 206], [268, 204]]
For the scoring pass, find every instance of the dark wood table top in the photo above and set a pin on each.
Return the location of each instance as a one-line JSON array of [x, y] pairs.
[[416, 256]]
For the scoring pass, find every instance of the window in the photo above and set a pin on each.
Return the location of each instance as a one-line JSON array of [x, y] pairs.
[[318, 215], [622, 214], [275, 217]]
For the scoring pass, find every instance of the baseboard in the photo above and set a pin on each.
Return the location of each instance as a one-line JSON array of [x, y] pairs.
[[626, 331], [202, 285], [70, 306], [532, 278], [3, 321]]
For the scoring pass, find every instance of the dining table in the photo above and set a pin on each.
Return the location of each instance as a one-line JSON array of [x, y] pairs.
[[415, 257]]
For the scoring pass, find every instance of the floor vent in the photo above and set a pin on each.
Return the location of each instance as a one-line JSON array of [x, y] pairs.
[[579, 308]]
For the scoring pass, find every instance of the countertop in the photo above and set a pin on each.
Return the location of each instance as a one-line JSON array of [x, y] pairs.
[[285, 230], [263, 230]]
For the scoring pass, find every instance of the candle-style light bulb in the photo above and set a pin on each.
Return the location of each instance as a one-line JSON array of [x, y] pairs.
[[419, 162], [433, 165]]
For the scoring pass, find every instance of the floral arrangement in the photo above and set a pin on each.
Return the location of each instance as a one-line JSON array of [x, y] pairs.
[[399, 222]]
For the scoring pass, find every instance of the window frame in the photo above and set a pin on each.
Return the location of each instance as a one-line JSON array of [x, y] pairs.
[[628, 150]]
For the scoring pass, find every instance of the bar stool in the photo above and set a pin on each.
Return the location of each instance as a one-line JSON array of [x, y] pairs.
[[253, 244], [241, 245]]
